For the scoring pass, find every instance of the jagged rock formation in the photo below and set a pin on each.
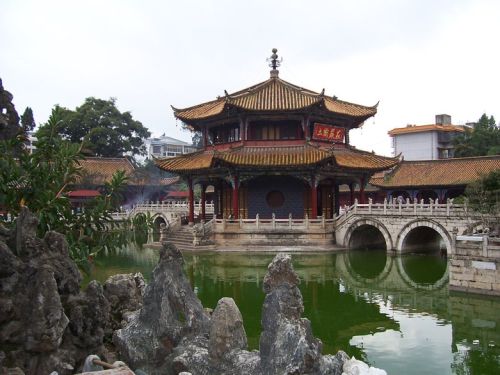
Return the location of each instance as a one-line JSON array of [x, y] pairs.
[[172, 334], [171, 313], [125, 294], [46, 323], [9, 119]]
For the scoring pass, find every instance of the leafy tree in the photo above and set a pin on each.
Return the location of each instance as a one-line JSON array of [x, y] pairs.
[[40, 181], [103, 129], [196, 135], [482, 139], [484, 195], [27, 120]]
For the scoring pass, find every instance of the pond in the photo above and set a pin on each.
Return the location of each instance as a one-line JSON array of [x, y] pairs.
[[395, 313]]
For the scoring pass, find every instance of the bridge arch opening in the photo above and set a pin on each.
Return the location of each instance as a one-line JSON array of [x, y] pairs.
[[423, 239], [157, 224], [367, 237]]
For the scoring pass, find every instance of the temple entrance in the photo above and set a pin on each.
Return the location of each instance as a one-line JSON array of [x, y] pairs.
[[281, 195]]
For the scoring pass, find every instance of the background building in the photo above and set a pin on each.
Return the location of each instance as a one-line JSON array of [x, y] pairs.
[[426, 142], [167, 147]]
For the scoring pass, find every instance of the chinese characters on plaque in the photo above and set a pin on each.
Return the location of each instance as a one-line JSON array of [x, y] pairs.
[[323, 132]]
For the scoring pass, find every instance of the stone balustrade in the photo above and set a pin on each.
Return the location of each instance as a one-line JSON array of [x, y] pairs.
[[475, 264]]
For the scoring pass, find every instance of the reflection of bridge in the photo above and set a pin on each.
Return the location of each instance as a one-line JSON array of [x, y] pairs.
[[401, 226]]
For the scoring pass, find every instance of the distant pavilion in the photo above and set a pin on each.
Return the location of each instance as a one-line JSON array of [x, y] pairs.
[[276, 148]]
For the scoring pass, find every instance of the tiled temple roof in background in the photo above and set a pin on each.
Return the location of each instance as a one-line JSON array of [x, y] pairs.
[[446, 172], [100, 170], [426, 128]]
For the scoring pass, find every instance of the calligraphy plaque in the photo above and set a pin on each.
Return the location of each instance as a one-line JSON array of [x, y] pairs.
[[323, 132]]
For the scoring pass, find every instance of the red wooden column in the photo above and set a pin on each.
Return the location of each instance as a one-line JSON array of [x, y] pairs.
[[203, 200], [191, 201], [236, 206], [314, 199], [362, 190]]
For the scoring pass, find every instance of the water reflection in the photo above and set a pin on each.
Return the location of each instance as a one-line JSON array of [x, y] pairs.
[[394, 312]]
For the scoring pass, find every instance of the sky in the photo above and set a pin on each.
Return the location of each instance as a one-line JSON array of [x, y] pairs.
[[418, 58]]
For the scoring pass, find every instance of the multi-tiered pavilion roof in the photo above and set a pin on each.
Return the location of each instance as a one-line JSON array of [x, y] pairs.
[[270, 134]]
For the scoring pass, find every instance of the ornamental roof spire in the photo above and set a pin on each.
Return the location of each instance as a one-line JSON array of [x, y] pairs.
[[274, 63]]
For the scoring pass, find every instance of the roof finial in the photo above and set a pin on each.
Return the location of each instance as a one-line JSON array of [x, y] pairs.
[[274, 63]]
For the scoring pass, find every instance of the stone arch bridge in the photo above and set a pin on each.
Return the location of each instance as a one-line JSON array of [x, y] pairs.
[[167, 212], [402, 226]]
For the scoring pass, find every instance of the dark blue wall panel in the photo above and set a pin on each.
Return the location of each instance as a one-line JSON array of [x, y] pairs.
[[292, 189]]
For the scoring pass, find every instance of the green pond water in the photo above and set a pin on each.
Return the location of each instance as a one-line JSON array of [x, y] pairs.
[[395, 313]]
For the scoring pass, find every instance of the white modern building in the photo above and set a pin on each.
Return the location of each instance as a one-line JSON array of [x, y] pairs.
[[165, 146], [426, 142]]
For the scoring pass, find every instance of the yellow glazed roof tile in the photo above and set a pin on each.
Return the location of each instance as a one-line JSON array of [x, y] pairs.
[[274, 94], [458, 171]]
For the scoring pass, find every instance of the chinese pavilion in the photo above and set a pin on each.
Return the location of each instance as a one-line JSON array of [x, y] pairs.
[[276, 149]]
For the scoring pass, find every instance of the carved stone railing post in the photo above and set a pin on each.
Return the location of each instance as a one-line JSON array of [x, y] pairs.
[[290, 220], [448, 205], [356, 205], [399, 207], [274, 221], [430, 205], [306, 222], [257, 221], [385, 206]]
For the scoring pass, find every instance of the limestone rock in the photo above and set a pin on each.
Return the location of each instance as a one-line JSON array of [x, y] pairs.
[[287, 345], [125, 295], [9, 119], [89, 317], [226, 332], [44, 320], [46, 323], [171, 312]]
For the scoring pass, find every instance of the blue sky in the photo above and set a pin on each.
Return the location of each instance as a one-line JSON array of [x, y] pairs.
[[419, 58]]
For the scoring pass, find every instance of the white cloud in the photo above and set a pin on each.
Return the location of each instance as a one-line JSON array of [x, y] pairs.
[[418, 58]]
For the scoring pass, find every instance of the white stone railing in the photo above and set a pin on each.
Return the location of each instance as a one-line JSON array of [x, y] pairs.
[[165, 206], [403, 208], [480, 246], [172, 206], [274, 224]]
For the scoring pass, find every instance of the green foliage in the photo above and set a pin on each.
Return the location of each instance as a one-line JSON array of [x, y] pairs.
[[103, 129], [27, 120], [483, 196], [40, 181], [196, 135], [483, 139], [142, 221]]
